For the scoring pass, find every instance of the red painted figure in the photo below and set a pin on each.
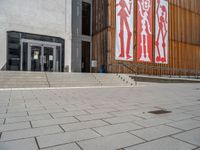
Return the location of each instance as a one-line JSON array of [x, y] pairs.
[[162, 31], [124, 22]]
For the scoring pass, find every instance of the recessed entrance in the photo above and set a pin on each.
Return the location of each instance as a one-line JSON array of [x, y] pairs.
[[85, 56], [31, 52], [42, 56]]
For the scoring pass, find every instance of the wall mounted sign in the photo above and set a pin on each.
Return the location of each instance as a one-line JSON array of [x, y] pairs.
[[144, 30], [36, 55], [124, 30], [161, 37], [94, 64]]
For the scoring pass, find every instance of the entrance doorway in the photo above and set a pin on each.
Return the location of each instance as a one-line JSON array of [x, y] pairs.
[[41, 56], [86, 60]]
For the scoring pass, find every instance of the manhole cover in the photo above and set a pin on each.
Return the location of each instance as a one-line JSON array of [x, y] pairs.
[[159, 112]]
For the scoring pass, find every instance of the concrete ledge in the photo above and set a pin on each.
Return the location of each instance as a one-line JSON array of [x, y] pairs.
[[163, 79]]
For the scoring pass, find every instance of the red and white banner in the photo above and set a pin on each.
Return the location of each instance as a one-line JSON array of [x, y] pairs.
[[124, 30], [144, 30], [161, 37]]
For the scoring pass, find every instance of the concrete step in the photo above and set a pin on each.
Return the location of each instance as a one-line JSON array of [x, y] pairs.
[[49, 79], [24, 86], [73, 85]]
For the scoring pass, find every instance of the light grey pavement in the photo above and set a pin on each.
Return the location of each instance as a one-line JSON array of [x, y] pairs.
[[101, 118]]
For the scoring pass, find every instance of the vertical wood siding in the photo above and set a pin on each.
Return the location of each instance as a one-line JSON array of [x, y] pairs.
[[184, 40]]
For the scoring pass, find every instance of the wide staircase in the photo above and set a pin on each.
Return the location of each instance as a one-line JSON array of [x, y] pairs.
[[46, 79]]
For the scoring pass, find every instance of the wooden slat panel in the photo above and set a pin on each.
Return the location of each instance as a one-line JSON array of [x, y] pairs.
[[184, 39]]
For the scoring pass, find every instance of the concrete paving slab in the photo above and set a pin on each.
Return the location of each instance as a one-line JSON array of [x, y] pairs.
[[122, 119], [20, 114], [45, 112], [93, 117], [163, 144], [113, 142], [50, 122], [192, 136], [178, 117], [28, 118], [25, 144], [15, 126], [197, 118], [64, 147], [1, 121], [64, 138], [185, 124], [117, 128], [152, 122], [83, 125], [103, 110], [28, 133], [104, 116], [69, 113], [155, 132]]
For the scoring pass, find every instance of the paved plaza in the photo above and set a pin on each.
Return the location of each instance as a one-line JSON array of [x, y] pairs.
[[110, 118]]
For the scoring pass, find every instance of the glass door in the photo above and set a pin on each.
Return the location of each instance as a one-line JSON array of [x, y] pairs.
[[41, 57], [48, 59], [35, 60]]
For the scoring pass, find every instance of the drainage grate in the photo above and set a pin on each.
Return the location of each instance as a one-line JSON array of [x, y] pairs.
[[159, 112]]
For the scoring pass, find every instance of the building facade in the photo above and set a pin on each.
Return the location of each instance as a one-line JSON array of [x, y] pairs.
[[183, 37], [39, 35], [80, 36]]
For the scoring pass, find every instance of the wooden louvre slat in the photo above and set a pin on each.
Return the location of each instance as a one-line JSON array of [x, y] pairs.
[[184, 40]]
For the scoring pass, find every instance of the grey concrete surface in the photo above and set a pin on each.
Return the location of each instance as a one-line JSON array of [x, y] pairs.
[[46, 17], [9, 79], [109, 118]]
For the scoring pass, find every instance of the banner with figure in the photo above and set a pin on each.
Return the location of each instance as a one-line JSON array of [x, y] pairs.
[[124, 30], [144, 30], [161, 37]]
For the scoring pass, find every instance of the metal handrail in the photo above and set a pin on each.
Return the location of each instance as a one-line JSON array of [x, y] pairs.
[[129, 68], [161, 68]]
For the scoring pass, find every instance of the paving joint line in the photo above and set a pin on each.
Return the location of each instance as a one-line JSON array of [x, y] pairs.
[[137, 136], [47, 80], [27, 113], [181, 129], [31, 124], [4, 121], [88, 113], [79, 145], [65, 110], [36, 141], [77, 119], [51, 115], [61, 128], [96, 132]]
